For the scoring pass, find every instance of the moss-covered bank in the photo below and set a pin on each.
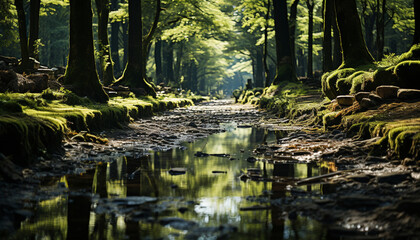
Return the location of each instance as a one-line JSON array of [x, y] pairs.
[[33, 125]]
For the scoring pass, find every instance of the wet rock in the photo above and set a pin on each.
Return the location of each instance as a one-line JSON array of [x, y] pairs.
[[133, 200], [360, 95], [393, 178], [362, 178], [218, 171], [177, 171], [345, 100], [375, 98], [375, 159], [177, 223], [251, 159], [254, 208], [357, 201], [192, 124], [201, 154], [367, 103], [387, 91], [182, 209], [8, 170], [408, 162], [408, 94]]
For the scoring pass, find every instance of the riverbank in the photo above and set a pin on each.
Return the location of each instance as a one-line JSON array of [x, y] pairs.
[[33, 125]]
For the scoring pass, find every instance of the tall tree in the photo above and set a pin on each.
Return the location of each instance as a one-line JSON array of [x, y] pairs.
[[265, 54], [380, 28], [292, 30], [115, 30], [284, 67], [105, 60], [81, 72], [158, 61], [355, 52], [310, 5], [134, 75], [326, 41], [416, 22], [34, 29], [22, 33]]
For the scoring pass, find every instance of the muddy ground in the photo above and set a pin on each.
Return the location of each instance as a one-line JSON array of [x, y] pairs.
[[363, 196]]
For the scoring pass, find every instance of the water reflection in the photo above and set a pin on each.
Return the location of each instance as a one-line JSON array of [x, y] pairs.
[[210, 199]]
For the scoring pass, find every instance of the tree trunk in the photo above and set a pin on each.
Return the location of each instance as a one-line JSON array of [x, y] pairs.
[[34, 29], [179, 55], [168, 62], [259, 79], [115, 30], [134, 75], [125, 42], [148, 39], [265, 54], [416, 22], [337, 55], [353, 45], [284, 67], [326, 41], [23, 38], [105, 60], [380, 28], [292, 31], [158, 61], [310, 5], [81, 72]]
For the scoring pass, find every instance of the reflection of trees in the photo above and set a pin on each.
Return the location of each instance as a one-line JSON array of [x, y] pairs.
[[78, 216]]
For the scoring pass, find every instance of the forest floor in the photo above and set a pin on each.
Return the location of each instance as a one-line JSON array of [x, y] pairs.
[[360, 196]]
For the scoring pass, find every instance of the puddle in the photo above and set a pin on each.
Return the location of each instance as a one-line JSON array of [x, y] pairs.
[[142, 198]]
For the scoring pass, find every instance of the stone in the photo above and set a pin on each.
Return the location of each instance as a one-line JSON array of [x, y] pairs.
[[360, 95], [345, 100], [177, 171], [367, 103], [393, 178], [387, 91], [362, 178], [177, 223], [408, 162], [375, 98], [408, 94]]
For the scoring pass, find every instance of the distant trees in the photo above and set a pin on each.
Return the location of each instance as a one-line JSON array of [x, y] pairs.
[[81, 75]]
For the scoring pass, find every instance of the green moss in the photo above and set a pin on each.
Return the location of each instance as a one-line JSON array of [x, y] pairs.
[[408, 72], [329, 81]]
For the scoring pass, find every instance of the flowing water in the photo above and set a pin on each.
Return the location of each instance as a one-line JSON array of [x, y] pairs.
[[177, 195]]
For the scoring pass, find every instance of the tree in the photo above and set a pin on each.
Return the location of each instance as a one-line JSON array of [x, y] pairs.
[[34, 29], [284, 68], [115, 30], [22, 33], [353, 45], [292, 30], [81, 72], [310, 4], [326, 41], [416, 22], [134, 75], [105, 60], [380, 28]]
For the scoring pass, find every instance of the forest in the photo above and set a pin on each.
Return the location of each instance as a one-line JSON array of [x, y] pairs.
[[205, 119]]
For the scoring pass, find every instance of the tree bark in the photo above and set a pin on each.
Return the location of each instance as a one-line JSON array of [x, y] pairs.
[[265, 54], [34, 29], [125, 42], [284, 67], [81, 72], [115, 30], [158, 61], [416, 22], [380, 28], [168, 62], [134, 75], [292, 31], [177, 68], [310, 5], [259, 79], [353, 45], [23, 38], [106, 64], [148, 39], [326, 41], [337, 55]]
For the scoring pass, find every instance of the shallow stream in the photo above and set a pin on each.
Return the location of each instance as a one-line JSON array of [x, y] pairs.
[[179, 195]]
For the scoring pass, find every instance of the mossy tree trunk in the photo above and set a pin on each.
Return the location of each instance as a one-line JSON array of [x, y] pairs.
[[310, 6], [353, 47], [105, 60], [134, 75], [416, 22], [115, 32], [23, 38], [81, 75], [326, 40], [284, 68], [34, 29]]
